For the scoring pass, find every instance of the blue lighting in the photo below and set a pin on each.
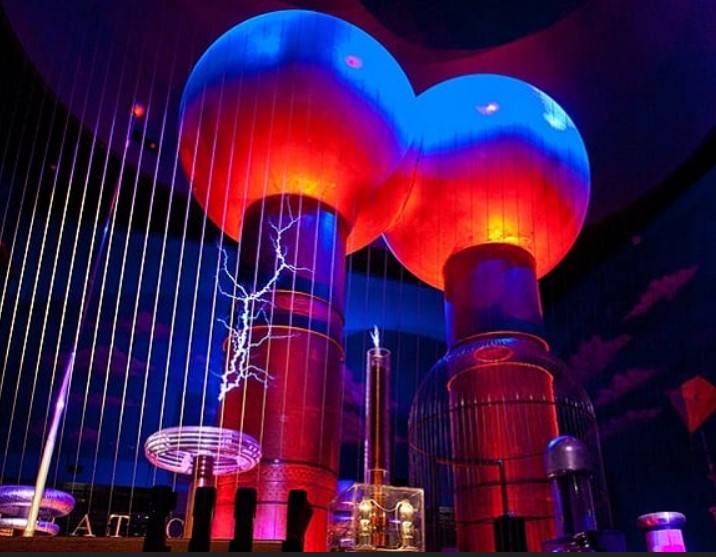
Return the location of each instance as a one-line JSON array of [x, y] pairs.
[[468, 110], [313, 41]]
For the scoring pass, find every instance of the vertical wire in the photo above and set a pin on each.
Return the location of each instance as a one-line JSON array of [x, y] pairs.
[[187, 212], [341, 269], [142, 261], [158, 287], [200, 251], [312, 292], [397, 378], [23, 270], [89, 281], [179, 269], [55, 263], [220, 262], [364, 349], [243, 208], [89, 266], [19, 212], [41, 261], [262, 216], [197, 280], [345, 369], [262, 220], [105, 274], [62, 395], [178, 281]]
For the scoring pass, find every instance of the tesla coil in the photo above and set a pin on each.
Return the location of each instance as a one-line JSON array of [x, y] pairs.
[[291, 123], [498, 196]]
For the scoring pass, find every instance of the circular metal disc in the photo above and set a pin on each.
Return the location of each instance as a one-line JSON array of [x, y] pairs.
[[15, 501], [42, 527], [175, 448]]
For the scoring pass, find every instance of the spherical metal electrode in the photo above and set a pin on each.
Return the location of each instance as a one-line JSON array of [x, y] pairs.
[[567, 455], [498, 162], [296, 102]]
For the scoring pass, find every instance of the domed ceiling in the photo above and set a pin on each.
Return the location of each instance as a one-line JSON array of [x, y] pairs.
[[636, 77]]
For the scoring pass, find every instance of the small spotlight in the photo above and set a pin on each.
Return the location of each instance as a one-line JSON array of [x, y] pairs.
[[354, 62], [147, 143], [487, 109], [138, 110]]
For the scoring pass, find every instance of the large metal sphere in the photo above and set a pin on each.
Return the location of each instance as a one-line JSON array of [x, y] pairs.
[[296, 102], [498, 162]]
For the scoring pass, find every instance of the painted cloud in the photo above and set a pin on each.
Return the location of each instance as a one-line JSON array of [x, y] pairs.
[[664, 288]]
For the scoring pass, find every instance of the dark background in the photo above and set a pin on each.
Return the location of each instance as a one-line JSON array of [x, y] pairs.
[[630, 309]]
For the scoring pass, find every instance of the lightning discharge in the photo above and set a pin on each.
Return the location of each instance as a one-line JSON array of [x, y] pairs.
[[252, 306]]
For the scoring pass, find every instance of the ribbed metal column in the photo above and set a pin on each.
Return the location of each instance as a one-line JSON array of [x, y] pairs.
[[502, 410], [296, 415]]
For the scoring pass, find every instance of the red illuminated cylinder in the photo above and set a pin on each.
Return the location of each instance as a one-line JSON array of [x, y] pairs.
[[502, 409], [295, 414], [499, 192], [507, 409], [491, 287], [294, 120]]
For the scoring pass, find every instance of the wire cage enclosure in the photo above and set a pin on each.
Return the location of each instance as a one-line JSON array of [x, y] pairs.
[[479, 426]]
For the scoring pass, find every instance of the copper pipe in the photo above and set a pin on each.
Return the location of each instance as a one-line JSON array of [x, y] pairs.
[[377, 455]]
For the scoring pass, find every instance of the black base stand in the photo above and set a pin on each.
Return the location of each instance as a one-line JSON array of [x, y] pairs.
[[163, 500], [510, 533], [204, 501], [592, 540], [300, 512], [244, 514]]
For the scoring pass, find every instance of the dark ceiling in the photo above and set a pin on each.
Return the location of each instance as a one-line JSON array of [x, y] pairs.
[[637, 78], [467, 25]]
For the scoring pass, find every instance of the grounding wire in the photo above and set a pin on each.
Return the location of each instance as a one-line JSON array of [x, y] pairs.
[[157, 290], [103, 288], [18, 298], [142, 261]]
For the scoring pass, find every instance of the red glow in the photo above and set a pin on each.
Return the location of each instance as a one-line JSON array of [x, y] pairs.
[[138, 110], [332, 147], [503, 411], [505, 191]]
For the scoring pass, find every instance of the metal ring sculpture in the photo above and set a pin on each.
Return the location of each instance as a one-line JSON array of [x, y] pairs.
[[15, 501], [175, 448]]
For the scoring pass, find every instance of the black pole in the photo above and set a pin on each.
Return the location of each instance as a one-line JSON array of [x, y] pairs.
[[510, 533], [244, 514], [163, 501], [299, 516], [204, 501]]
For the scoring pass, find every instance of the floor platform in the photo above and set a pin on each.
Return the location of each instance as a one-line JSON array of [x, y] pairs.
[[86, 544]]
